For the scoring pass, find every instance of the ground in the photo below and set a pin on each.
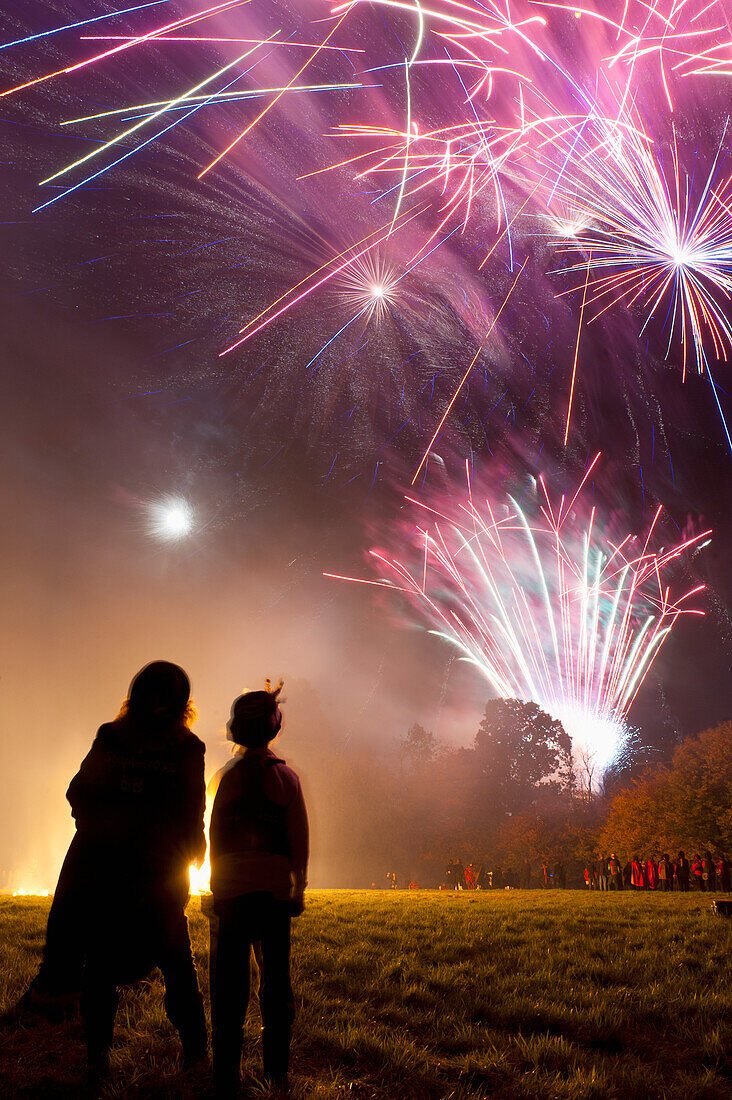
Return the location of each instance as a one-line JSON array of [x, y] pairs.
[[431, 996]]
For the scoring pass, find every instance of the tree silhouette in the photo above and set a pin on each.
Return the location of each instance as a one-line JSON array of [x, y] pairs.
[[520, 752], [419, 748]]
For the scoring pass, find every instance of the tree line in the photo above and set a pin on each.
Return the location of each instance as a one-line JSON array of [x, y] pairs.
[[515, 793]]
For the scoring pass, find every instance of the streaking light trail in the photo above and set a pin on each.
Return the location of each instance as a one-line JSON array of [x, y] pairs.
[[548, 609]]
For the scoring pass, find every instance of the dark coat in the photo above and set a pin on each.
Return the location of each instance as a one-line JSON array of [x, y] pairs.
[[138, 800]]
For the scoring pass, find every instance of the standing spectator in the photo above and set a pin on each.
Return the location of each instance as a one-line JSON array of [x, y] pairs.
[[138, 799], [651, 874], [560, 877], [616, 872], [601, 872], [696, 873], [665, 881], [588, 876], [637, 876], [681, 873], [709, 872], [545, 874], [628, 875], [723, 874], [259, 857]]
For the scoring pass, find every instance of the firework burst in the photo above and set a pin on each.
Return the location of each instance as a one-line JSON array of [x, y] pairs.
[[546, 609], [649, 239]]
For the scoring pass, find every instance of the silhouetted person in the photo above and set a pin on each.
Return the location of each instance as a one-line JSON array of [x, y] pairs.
[[138, 800], [601, 872], [259, 854], [560, 877], [709, 872], [615, 868], [681, 873], [723, 874], [665, 872], [697, 873]]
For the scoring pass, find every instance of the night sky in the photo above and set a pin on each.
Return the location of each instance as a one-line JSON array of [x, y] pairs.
[[116, 302]]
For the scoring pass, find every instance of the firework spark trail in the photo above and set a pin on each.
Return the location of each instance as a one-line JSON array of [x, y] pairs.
[[651, 240], [543, 103], [546, 609], [126, 45], [467, 374]]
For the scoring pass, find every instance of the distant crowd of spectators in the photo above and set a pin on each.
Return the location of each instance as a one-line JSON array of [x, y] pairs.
[[473, 876], [703, 873]]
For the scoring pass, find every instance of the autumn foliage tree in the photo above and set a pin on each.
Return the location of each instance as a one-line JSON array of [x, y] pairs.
[[686, 804]]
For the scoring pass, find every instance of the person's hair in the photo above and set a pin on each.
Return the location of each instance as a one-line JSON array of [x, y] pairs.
[[255, 719], [681, 856], [159, 695]]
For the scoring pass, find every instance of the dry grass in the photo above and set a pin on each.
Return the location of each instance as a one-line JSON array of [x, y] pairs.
[[428, 996]]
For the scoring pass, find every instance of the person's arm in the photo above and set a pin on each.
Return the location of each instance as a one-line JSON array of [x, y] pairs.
[[84, 792], [194, 803], [298, 831]]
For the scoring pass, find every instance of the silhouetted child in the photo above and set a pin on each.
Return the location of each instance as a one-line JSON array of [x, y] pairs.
[[138, 801], [259, 854]]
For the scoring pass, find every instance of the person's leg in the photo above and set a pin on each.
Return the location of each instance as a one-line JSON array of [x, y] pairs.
[[276, 998], [183, 1000], [229, 992], [98, 1006]]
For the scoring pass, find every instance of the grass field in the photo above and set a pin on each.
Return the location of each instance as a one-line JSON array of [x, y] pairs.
[[426, 995]]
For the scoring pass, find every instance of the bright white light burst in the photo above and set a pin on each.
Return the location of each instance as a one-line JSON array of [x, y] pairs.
[[369, 286], [171, 519]]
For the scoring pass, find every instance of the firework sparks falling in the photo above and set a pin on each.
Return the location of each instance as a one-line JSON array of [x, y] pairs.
[[545, 609]]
